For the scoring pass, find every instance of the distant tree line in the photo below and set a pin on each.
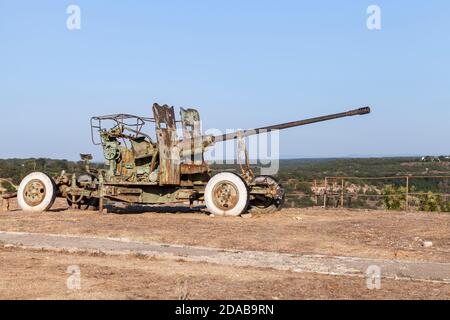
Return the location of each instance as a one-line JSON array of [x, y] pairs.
[[17, 169], [294, 174]]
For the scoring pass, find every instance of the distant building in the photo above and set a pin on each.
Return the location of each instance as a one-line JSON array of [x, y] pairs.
[[435, 159]]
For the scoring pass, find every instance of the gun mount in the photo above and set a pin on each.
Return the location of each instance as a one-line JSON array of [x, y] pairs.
[[167, 169]]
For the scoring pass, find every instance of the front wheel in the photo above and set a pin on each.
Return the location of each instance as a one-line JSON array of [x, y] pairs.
[[36, 193], [227, 195]]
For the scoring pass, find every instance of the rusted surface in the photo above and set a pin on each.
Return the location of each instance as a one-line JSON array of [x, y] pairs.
[[166, 169], [164, 117], [194, 169], [244, 161], [192, 134], [226, 195], [169, 157], [126, 164], [271, 195], [136, 123], [34, 193]]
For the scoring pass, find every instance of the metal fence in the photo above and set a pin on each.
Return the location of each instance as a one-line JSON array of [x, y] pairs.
[[339, 191]]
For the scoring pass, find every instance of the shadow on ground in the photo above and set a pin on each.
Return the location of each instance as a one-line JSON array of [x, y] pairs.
[[141, 209]]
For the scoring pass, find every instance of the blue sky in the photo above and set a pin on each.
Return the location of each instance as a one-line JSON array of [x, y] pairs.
[[243, 64]]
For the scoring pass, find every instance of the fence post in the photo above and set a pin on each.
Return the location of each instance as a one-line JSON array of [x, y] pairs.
[[407, 193], [316, 195], [342, 193], [325, 192]]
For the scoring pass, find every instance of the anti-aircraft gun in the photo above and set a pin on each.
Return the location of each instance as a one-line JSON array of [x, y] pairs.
[[143, 170]]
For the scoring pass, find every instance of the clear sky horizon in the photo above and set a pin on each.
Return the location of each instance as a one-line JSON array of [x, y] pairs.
[[243, 64]]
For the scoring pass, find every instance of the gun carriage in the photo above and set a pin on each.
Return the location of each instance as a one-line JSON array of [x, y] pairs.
[[167, 169]]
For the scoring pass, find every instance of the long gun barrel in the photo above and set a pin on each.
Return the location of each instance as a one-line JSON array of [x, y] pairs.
[[189, 147], [246, 133]]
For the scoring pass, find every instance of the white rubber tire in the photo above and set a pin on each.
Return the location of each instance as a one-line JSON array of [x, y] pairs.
[[50, 192], [242, 189]]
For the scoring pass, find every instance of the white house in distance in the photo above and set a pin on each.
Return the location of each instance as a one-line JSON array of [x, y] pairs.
[[435, 159]]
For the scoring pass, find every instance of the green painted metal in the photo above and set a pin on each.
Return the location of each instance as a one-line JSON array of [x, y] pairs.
[[143, 171]]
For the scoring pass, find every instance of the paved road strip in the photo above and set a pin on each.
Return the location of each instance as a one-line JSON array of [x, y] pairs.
[[330, 265]]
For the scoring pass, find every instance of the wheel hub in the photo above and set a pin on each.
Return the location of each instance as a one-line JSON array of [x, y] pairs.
[[34, 193], [226, 195]]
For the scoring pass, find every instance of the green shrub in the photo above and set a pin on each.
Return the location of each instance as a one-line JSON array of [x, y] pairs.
[[446, 207], [433, 202], [8, 186], [305, 188], [395, 198]]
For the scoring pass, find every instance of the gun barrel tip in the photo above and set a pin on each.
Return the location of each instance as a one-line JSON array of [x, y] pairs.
[[365, 110]]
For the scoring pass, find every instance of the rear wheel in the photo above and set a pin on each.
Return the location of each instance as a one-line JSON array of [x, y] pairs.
[[227, 195], [265, 204], [36, 193]]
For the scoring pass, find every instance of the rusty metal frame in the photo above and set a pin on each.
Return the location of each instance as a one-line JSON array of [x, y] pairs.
[[169, 156], [131, 122]]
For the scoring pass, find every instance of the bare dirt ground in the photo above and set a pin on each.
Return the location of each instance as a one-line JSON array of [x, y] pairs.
[[369, 234], [34, 274]]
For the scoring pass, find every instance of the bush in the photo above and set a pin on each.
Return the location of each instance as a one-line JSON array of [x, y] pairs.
[[305, 188], [446, 207], [395, 198], [8, 186], [432, 202]]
